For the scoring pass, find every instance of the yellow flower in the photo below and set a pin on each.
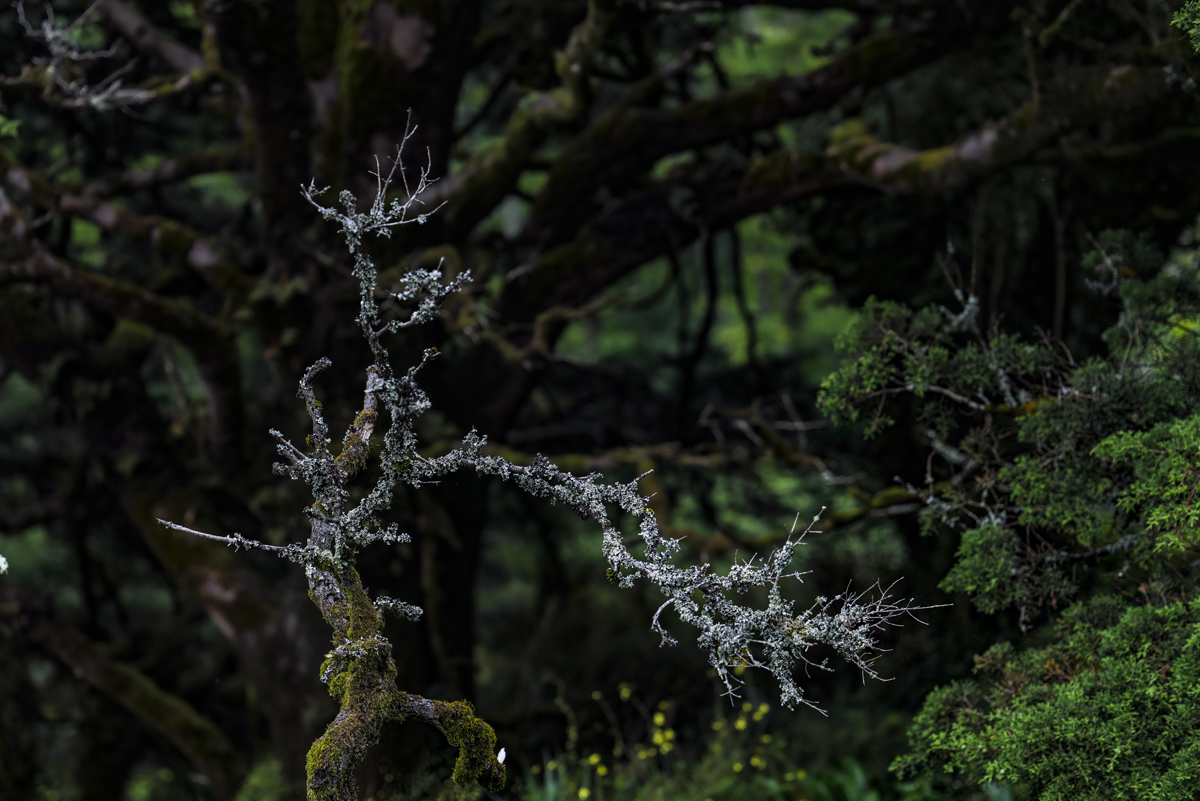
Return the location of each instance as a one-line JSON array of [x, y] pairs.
[[740, 724], [593, 759], [758, 762], [602, 771], [659, 718], [766, 738], [584, 792], [718, 725], [737, 767]]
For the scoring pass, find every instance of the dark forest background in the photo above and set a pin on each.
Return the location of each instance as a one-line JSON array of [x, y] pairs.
[[670, 211]]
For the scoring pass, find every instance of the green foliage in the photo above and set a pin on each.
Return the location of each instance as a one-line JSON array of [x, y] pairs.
[[1086, 457], [265, 783], [1068, 481], [1107, 711], [739, 762], [1166, 463], [1187, 19], [891, 349], [8, 128], [983, 567]]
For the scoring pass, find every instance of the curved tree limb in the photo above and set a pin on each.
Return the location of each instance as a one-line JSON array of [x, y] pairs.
[[215, 354], [159, 711], [612, 245], [626, 141], [894, 168], [167, 235], [491, 176], [168, 170], [56, 92], [148, 38]]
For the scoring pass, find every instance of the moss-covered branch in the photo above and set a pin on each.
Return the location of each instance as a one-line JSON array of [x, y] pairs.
[[160, 712], [493, 174], [219, 158], [168, 236], [626, 141], [214, 353], [617, 242], [895, 168], [361, 675], [149, 38]]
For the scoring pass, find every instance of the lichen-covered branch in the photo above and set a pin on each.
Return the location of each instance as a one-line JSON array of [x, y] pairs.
[[63, 83], [360, 671]]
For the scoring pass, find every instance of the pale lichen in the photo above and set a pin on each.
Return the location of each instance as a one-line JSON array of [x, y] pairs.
[[359, 669]]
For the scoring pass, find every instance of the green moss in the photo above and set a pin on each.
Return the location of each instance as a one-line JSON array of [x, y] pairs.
[[365, 690], [354, 453], [476, 742], [364, 617]]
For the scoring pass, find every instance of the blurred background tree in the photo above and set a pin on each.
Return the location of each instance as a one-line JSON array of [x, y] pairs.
[[671, 209]]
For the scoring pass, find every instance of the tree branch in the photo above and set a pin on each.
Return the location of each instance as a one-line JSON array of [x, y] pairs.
[[149, 39], [492, 175], [627, 140], [157, 710], [167, 235], [621, 239], [272, 632], [894, 168], [169, 170], [214, 353]]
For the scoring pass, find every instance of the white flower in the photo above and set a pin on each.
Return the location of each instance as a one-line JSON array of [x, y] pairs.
[[4, 569], [499, 756]]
